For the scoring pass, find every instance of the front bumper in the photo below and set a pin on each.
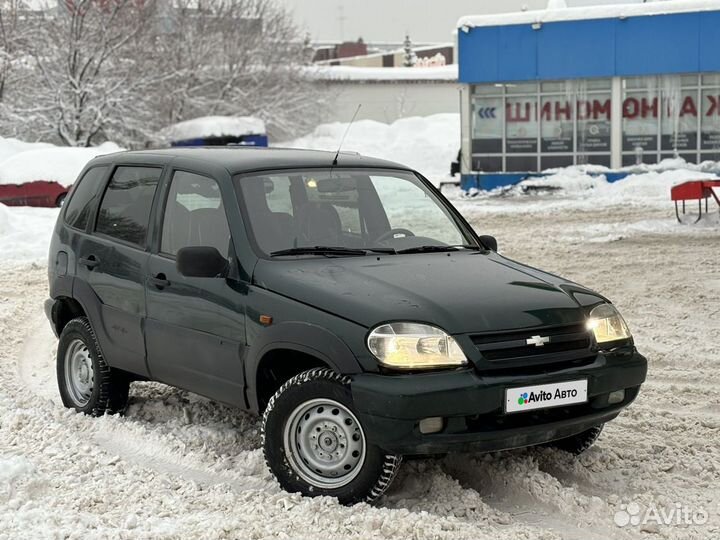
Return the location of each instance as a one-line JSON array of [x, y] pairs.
[[472, 404]]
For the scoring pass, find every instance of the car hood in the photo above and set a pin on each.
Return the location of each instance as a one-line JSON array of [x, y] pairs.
[[460, 292]]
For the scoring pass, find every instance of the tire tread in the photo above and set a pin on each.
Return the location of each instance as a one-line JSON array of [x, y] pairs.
[[391, 462]]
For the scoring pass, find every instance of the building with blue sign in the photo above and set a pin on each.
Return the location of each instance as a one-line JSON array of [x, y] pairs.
[[605, 85]]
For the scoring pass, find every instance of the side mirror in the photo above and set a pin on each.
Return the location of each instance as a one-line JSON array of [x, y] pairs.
[[489, 242], [202, 261]]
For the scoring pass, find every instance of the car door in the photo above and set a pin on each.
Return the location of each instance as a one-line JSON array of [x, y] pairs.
[[111, 263], [195, 328]]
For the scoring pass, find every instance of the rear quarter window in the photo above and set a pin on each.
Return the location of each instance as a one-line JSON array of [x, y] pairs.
[[82, 198], [125, 209]]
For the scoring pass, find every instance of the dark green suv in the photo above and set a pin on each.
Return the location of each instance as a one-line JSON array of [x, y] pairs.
[[341, 297]]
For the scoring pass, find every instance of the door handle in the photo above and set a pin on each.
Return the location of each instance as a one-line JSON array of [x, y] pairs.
[[90, 262], [160, 281]]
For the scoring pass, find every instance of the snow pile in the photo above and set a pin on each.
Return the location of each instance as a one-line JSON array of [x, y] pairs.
[[645, 188], [556, 13], [25, 233], [357, 73], [428, 144], [53, 163], [10, 147], [214, 126]]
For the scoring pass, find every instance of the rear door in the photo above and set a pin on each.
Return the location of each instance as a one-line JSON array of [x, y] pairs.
[[195, 328], [112, 262]]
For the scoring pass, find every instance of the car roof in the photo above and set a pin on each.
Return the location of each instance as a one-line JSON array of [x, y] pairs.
[[238, 159]]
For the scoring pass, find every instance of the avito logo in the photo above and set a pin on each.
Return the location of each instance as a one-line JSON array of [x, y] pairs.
[[537, 397]]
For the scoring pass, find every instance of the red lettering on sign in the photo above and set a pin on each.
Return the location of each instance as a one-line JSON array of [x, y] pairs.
[[647, 107], [518, 112], [688, 107], [584, 110], [631, 108], [563, 110], [601, 109], [546, 111], [714, 106]]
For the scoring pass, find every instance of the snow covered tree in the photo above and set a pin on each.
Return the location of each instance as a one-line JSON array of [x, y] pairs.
[[122, 70], [410, 57], [11, 39], [88, 80], [237, 57]]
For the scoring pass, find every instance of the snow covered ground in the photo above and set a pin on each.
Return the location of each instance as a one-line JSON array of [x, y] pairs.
[[180, 466]]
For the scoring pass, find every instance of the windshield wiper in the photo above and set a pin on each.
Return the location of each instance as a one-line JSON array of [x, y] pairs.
[[437, 249], [319, 250]]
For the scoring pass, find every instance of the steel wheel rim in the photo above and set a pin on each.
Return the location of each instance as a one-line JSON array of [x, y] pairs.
[[79, 373], [324, 443]]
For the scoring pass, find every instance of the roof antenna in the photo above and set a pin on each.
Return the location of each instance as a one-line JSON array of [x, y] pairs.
[[334, 163]]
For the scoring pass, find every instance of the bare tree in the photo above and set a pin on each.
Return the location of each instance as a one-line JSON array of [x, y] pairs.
[[88, 82], [11, 38], [123, 69], [238, 57]]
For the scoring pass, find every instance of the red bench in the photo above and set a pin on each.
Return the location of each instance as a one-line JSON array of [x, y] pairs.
[[694, 190]]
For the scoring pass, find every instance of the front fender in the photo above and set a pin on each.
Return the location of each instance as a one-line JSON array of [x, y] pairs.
[[301, 337]]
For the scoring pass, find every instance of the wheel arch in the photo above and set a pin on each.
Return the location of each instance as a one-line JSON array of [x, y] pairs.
[[64, 310], [284, 350]]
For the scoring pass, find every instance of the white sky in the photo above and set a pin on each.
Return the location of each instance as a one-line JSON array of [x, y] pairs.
[[390, 20]]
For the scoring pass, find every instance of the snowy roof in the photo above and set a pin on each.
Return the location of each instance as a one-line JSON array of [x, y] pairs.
[[588, 12], [354, 73], [214, 126]]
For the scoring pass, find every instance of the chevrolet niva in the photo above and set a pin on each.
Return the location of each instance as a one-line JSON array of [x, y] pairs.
[[341, 297]]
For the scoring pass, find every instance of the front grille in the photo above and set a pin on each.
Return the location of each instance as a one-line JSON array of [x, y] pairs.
[[567, 342]]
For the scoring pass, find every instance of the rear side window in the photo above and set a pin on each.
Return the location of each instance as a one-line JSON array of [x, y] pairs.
[[125, 208], [80, 205]]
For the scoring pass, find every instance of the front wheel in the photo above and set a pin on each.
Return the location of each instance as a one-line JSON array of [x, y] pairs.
[[577, 444], [314, 443]]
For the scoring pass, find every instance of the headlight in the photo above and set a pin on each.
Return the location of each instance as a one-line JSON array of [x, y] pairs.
[[607, 324], [405, 345]]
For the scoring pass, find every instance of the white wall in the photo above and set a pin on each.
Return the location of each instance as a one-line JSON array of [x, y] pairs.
[[386, 102]]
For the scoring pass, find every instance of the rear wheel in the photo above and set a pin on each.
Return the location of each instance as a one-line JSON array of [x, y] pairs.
[[315, 444], [60, 200], [86, 383], [577, 444]]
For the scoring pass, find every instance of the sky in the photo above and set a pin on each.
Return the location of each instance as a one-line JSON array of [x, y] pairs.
[[390, 20]]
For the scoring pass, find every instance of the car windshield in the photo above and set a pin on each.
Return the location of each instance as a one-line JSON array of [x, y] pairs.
[[310, 212]]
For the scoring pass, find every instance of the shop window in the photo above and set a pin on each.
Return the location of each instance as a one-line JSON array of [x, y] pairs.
[[488, 116], [593, 114], [640, 122], [711, 79], [690, 158], [710, 124], [521, 163], [602, 160], [530, 88], [554, 162], [487, 163], [556, 115], [679, 119], [521, 128], [487, 89], [632, 159]]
